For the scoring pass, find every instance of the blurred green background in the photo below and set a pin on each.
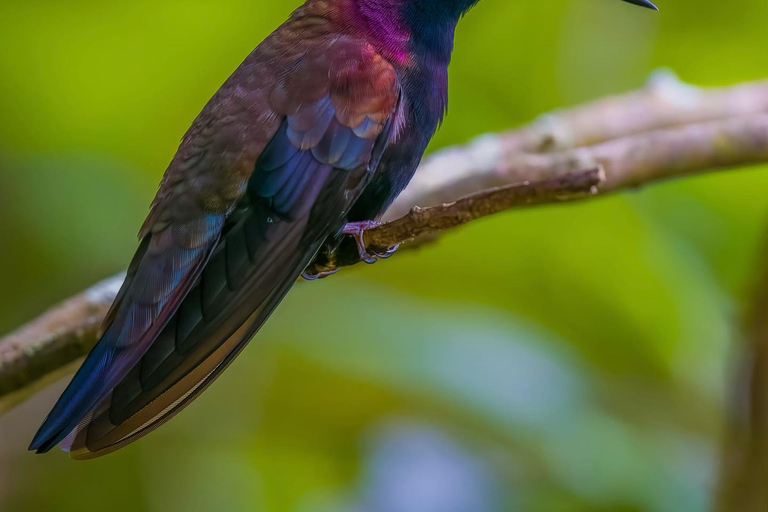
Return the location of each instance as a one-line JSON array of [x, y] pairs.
[[569, 358]]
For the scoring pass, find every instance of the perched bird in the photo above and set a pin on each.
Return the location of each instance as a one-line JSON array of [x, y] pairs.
[[311, 138]]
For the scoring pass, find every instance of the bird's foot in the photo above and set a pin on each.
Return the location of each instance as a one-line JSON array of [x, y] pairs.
[[309, 276], [356, 231]]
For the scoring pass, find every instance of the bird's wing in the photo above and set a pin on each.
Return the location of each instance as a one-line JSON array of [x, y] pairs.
[[216, 258]]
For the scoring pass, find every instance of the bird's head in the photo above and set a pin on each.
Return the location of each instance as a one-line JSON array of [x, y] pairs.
[[417, 26], [452, 10]]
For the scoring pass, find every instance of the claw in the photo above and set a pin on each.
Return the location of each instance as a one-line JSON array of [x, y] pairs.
[[389, 252], [320, 275], [356, 230]]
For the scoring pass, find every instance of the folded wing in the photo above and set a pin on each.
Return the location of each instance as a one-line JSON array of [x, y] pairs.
[[198, 290]]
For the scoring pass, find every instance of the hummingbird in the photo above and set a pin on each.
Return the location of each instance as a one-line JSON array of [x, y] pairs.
[[309, 140]]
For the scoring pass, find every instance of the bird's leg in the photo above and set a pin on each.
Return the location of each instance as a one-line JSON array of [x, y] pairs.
[[356, 231], [327, 257]]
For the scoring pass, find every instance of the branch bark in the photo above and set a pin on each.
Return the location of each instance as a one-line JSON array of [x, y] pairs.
[[666, 130]]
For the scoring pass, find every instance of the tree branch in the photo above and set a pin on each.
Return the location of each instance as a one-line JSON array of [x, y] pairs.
[[663, 103], [666, 130]]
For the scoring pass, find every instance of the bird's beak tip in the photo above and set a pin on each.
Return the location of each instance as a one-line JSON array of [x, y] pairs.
[[644, 3]]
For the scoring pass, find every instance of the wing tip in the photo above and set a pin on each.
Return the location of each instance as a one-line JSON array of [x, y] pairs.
[[70, 409], [68, 440], [46, 438]]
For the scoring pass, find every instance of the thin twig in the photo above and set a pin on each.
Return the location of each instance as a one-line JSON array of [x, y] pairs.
[[627, 163]]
